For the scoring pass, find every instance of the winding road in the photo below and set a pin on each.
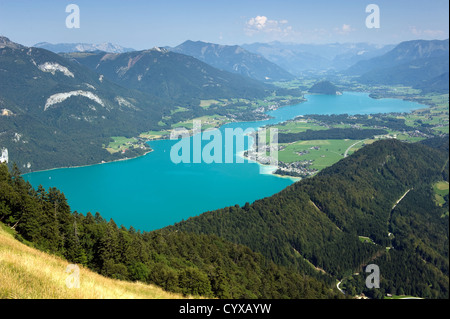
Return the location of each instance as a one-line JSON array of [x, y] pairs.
[[339, 288], [395, 205], [389, 218], [350, 147]]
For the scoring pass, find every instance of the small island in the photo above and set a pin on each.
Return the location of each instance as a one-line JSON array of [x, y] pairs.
[[325, 87]]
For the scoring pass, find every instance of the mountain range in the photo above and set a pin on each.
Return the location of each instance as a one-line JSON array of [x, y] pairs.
[[403, 53], [170, 75], [55, 108], [418, 63], [298, 58], [56, 111], [58, 108], [82, 47], [234, 59]]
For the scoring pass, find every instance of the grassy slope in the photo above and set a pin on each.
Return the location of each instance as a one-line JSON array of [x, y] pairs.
[[26, 273]]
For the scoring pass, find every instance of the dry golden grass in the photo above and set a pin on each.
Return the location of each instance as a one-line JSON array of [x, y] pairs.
[[27, 273]]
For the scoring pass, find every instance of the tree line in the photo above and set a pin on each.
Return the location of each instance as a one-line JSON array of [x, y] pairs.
[[331, 134], [181, 262], [319, 220]]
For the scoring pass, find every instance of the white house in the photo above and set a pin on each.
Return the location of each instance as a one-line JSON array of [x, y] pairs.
[[4, 158]]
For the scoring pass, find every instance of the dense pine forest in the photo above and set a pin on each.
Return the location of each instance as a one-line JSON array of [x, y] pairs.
[[295, 244], [192, 264], [331, 134], [321, 220]]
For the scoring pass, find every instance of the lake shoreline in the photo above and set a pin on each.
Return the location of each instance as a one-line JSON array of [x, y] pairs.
[[144, 189], [89, 165], [164, 137]]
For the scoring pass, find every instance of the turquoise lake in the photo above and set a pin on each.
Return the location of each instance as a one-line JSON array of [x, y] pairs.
[[151, 192]]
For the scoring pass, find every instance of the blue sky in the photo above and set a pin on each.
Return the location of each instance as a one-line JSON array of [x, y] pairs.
[[143, 24]]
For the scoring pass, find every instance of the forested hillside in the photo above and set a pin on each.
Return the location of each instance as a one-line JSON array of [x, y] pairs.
[[186, 263], [57, 113], [324, 87], [322, 219], [333, 133], [305, 238]]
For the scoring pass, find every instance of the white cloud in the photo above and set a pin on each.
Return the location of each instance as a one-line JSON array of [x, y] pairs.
[[345, 29], [258, 23], [262, 24]]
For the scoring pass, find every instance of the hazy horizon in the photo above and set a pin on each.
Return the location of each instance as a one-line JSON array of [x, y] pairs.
[[218, 43], [145, 24]]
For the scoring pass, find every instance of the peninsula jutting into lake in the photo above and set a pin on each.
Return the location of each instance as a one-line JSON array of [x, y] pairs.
[[153, 179]]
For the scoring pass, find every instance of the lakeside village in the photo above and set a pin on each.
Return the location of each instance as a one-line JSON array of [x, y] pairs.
[[301, 169], [295, 169]]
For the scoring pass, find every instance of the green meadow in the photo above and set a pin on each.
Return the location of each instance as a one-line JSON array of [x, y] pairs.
[[323, 153], [441, 189], [120, 143], [209, 121]]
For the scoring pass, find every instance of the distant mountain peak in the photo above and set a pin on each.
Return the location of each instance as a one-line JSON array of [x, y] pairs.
[[82, 47], [234, 59], [417, 63], [158, 49], [5, 42], [404, 52], [4, 39]]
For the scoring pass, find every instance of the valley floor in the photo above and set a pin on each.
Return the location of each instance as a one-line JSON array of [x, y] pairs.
[[305, 157]]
